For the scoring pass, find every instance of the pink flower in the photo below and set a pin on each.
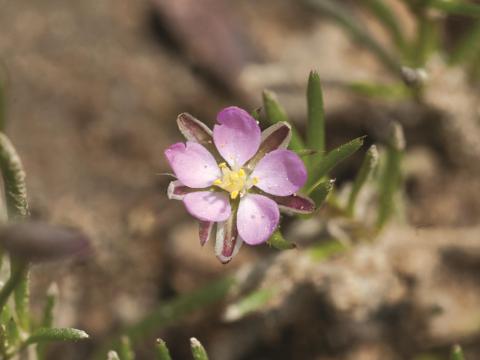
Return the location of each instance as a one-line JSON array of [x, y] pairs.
[[236, 179]]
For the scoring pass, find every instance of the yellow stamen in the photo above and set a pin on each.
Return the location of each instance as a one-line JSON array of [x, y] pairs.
[[232, 181]]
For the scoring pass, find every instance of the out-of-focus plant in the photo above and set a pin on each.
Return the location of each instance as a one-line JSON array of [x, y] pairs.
[[406, 55], [161, 351], [26, 243], [319, 186]]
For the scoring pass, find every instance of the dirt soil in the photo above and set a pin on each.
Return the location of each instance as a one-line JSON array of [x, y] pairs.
[[94, 88]]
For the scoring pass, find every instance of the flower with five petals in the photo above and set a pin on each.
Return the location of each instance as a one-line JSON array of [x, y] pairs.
[[236, 178]]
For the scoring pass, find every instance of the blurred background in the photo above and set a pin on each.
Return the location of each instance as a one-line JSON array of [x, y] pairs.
[[92, 90]]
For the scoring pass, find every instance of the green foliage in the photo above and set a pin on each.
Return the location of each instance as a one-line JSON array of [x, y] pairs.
[[457, 353], [316, 117], [161, 350], [250, 303], [198, 351], [125, 351], [279, 242], [456, 7], [390, 178], [326, 250], [335, 157], [388, 19], [366, 170], [55, 334], [276, 113], [320, 191], [341, 14]]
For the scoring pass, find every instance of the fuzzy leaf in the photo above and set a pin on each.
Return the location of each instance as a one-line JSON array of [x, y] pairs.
[[56, 334], [161, 350], [125, 351], [198, 351], [336, 156], [320, 191]]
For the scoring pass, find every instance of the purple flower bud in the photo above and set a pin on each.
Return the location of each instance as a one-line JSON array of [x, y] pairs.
[[39, 242]]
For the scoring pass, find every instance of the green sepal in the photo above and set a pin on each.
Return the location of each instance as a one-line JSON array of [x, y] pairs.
[[278, 242]]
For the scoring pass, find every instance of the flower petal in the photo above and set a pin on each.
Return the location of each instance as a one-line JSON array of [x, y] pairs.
[[193, 129], [192, 164], [176, 190], [274, 137], [280, 172], [296, 204], [257, 218], [205, 231], [208, 205], [237, 136], [227, 242]]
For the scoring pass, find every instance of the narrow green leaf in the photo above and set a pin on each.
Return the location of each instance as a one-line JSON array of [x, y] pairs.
[[326, 250], [320, 191], [173, 311], [112, 355], [250, 303], [279, 242], [368, 166], [125, 351], [427, 38], [21, 295], [396, 91], [50, 303], [457, 7], [316, 117], [276, 113], [385, 16], [305, 152], [358, 31], [56, 334], [390, 180], [198, 351], [3, 342], [17, 275], [13, 180], [336, 156], [47, 318], [161, 350], [468, 46], [457, 353], [13, 332]]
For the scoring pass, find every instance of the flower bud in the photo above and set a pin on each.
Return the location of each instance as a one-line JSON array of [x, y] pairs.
[[39, 242]]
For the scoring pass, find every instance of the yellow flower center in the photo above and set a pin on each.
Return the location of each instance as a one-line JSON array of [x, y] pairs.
[[235, 182]]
